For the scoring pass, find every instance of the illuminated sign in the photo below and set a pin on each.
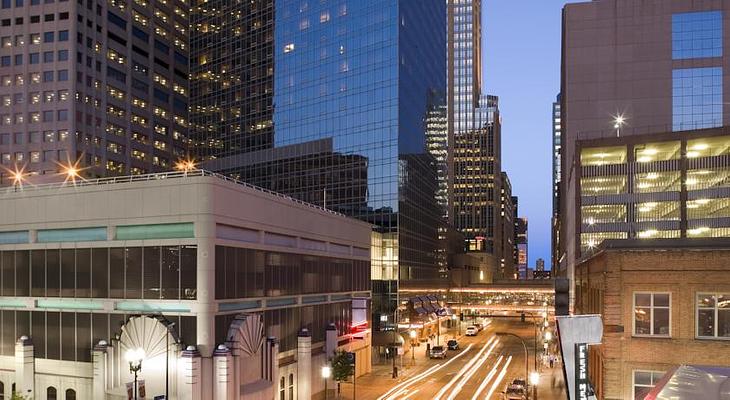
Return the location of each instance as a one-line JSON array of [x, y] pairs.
[[583, 389]]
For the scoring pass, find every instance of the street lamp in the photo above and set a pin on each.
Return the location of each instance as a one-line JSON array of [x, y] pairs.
[[413, 341], [618, 123], [548, 336], [326, 373], [534, 380], [17, 179], [134, 358]]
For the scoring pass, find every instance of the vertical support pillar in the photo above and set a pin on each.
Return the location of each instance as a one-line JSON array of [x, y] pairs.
[[223, 388], [189, 376], [205, 231], [99, 378], [330, 344], [304, 365], [25, 367]]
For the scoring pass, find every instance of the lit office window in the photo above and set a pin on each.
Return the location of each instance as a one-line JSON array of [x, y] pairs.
[[713, 315], [697, 35], [696, 98], [652, 314]]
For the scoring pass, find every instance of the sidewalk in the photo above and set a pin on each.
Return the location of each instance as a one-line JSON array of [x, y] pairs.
[[551, 385], [377, 382]]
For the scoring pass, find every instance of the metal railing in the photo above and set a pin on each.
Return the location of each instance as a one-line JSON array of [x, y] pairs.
[[84, 182]]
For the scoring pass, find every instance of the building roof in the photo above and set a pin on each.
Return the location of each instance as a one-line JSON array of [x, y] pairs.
[[26, 187]]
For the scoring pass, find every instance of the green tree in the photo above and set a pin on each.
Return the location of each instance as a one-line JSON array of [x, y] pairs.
[[341, 368], [18, 396]]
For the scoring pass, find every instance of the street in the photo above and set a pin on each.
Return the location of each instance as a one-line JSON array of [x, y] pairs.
[[480, 369]]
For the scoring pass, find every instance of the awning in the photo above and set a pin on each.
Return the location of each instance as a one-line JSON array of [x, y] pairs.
[[692, 382]]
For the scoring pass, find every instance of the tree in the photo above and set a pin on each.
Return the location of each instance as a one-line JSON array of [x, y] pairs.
[[18, 396], [342, 369]]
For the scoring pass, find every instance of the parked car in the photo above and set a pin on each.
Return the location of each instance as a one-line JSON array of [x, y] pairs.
[[514, 392], [471, 330], [437, 352], [452, 344]]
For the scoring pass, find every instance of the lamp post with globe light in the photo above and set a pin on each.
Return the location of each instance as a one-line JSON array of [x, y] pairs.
[[134, 358], [413, 342], [326, 373]]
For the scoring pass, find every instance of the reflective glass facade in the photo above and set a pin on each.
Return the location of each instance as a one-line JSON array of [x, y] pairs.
[[232, 77], [697, 98], [364, 76], [697, 35]]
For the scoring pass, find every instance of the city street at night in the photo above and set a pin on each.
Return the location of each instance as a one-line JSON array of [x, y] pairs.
[[480, 369]]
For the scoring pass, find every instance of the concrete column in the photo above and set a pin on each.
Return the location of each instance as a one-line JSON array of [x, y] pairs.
[[223, 388], [25, 367], [99, 359], [189, 375], [330, 344], [272, 357], [205, 304], [304, 365]]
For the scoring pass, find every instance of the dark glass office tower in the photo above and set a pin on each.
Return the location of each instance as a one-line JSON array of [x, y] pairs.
[[232, 77], [330, 102], [365, 75]]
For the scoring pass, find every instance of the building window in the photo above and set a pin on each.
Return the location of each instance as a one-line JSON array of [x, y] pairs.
[[70, 394], [713, 315], [51, 393], [652, 314], [282, 389], [644, 381], [697, 35], [696, 98], [291, 386]]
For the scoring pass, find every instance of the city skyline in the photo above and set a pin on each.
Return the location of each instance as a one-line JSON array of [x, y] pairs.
[[526, 90]]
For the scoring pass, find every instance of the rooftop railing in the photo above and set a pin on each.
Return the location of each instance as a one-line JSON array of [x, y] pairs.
[[26, 186]]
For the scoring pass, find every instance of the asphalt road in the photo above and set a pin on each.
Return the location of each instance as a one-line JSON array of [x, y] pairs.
[[479, 370]]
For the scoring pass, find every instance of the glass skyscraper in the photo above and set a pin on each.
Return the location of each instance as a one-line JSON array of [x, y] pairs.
[[356, 85]]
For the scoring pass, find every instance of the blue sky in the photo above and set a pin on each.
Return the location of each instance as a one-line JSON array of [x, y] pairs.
[[521, 59]]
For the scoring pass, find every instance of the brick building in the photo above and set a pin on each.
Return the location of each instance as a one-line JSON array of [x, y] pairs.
[[664, 302]]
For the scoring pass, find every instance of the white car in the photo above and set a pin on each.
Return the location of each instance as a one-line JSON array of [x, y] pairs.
[[471, 330]]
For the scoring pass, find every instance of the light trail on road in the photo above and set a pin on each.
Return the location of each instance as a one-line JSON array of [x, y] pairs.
[[498, 381], [486, 380], [464, 369], [398, 389], [473, 370]]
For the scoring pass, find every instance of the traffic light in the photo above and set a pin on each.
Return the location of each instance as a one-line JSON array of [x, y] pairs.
[[522, 317], [461, 317], [562, 296]]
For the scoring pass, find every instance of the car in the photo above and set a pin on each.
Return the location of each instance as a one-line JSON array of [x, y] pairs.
[[452, 344], [519, 382], [437, 352], [479, 326], [471, 330], [514, 392]]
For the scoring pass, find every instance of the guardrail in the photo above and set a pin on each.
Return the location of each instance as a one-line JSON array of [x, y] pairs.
[[83, 182]]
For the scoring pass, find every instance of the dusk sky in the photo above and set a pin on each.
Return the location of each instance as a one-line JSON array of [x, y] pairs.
[[521, 58]]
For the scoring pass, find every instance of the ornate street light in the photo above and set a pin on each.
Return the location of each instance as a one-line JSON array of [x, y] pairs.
[[134, 358]]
